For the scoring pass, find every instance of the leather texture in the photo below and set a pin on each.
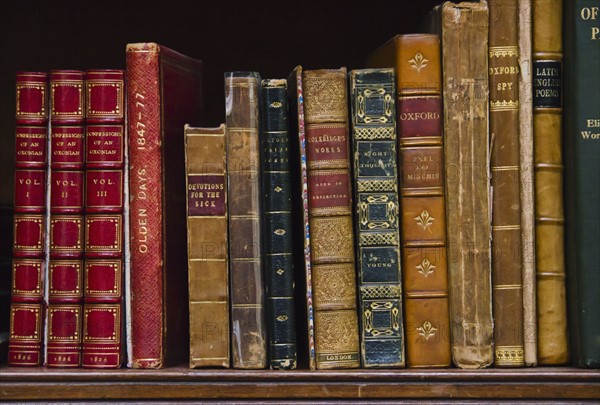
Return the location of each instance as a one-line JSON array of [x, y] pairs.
[[28, 264], [207, 237], [330, 212], [277, 226], [464, 29], [164, 93], [507, 271], [548, 158], [376, 215], [249, 329]]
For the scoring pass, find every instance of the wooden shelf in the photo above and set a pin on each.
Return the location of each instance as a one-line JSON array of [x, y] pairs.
[[181, 383]]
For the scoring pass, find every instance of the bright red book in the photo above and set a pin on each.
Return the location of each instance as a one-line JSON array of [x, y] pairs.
[[67, 187], [164, 93], [104, 203], [28, 267]]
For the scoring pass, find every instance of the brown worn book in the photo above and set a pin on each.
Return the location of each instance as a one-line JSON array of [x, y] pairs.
[[208, 273], [507, 279], [464, 29], [549, 211], [330, 212], [423, 212], [248, 322]]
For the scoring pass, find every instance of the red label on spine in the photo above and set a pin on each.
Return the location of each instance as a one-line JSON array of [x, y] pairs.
[[27, 280], [66, 191], [30, 145], [420, 116], [104, 191], [104, 235], [65, 280], [104, 146], [206, 195], [66, 236], [103, 280], [30, 191], [328, 142], [28, 235], [67, 147], [329, 189]]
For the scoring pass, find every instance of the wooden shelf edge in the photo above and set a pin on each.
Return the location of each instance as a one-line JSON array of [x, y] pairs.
[[181, 383]]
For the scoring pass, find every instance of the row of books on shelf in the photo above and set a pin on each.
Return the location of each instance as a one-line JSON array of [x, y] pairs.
[[401, 215]]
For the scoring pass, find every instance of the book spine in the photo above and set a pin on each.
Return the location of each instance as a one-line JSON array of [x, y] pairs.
[[29, 262], [507, 273], [527, 184], [466, 155], [145, 205], [330, 211], [277, 225], [67, 187], [582, 161], [376, 214], [549, 230], [103, 291], [248, 334], [422, 200], [206, 185]]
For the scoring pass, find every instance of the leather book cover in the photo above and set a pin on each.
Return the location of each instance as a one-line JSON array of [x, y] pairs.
[[207, 252], [527, 183], [548, 158], [330, 212], [582, 171], [163, 94], [422, 197], [29, 263], [67, 191], [248, 326], [104, 205], [377, 216], [507, 273], [464, 33], [277, 226]]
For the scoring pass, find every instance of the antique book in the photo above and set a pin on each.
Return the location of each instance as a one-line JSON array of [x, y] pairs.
[[422, 202], [104, 205], [301, 223], [330, 213], [248, 326], [277, 226], [29, 241], [376, 215], [65, 269], [527, 184], [549, 211], [507, 273], [163, 94], [582, 171], [208, 272], [464, 33]]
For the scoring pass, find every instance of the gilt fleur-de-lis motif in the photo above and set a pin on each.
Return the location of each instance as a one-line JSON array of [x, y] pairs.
[[418, 61], [425, 268], [424, 219], [426, 330]]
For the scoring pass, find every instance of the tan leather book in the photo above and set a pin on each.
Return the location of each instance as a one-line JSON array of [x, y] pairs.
[[208, 274], [549, 211], [507, 279], [464, 29], [330, 215], [527, 181]]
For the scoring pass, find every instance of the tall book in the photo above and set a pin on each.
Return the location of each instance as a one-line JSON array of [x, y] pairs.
[[104, 205], [422, 198], [330, 215], [376, 215], [163, 94], [208, 267], [527, 184], [464, 33], [248, 327], [507, 273], [548, 157], [27, 308], [67, 185], [582, 165], [277, 225]]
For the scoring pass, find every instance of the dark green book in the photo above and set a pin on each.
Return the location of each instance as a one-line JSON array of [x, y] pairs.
[[582, 168]]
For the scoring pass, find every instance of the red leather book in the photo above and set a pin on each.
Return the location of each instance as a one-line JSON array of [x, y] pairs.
[[28, 266], [65, 271], [164, 93], [103, 276]]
